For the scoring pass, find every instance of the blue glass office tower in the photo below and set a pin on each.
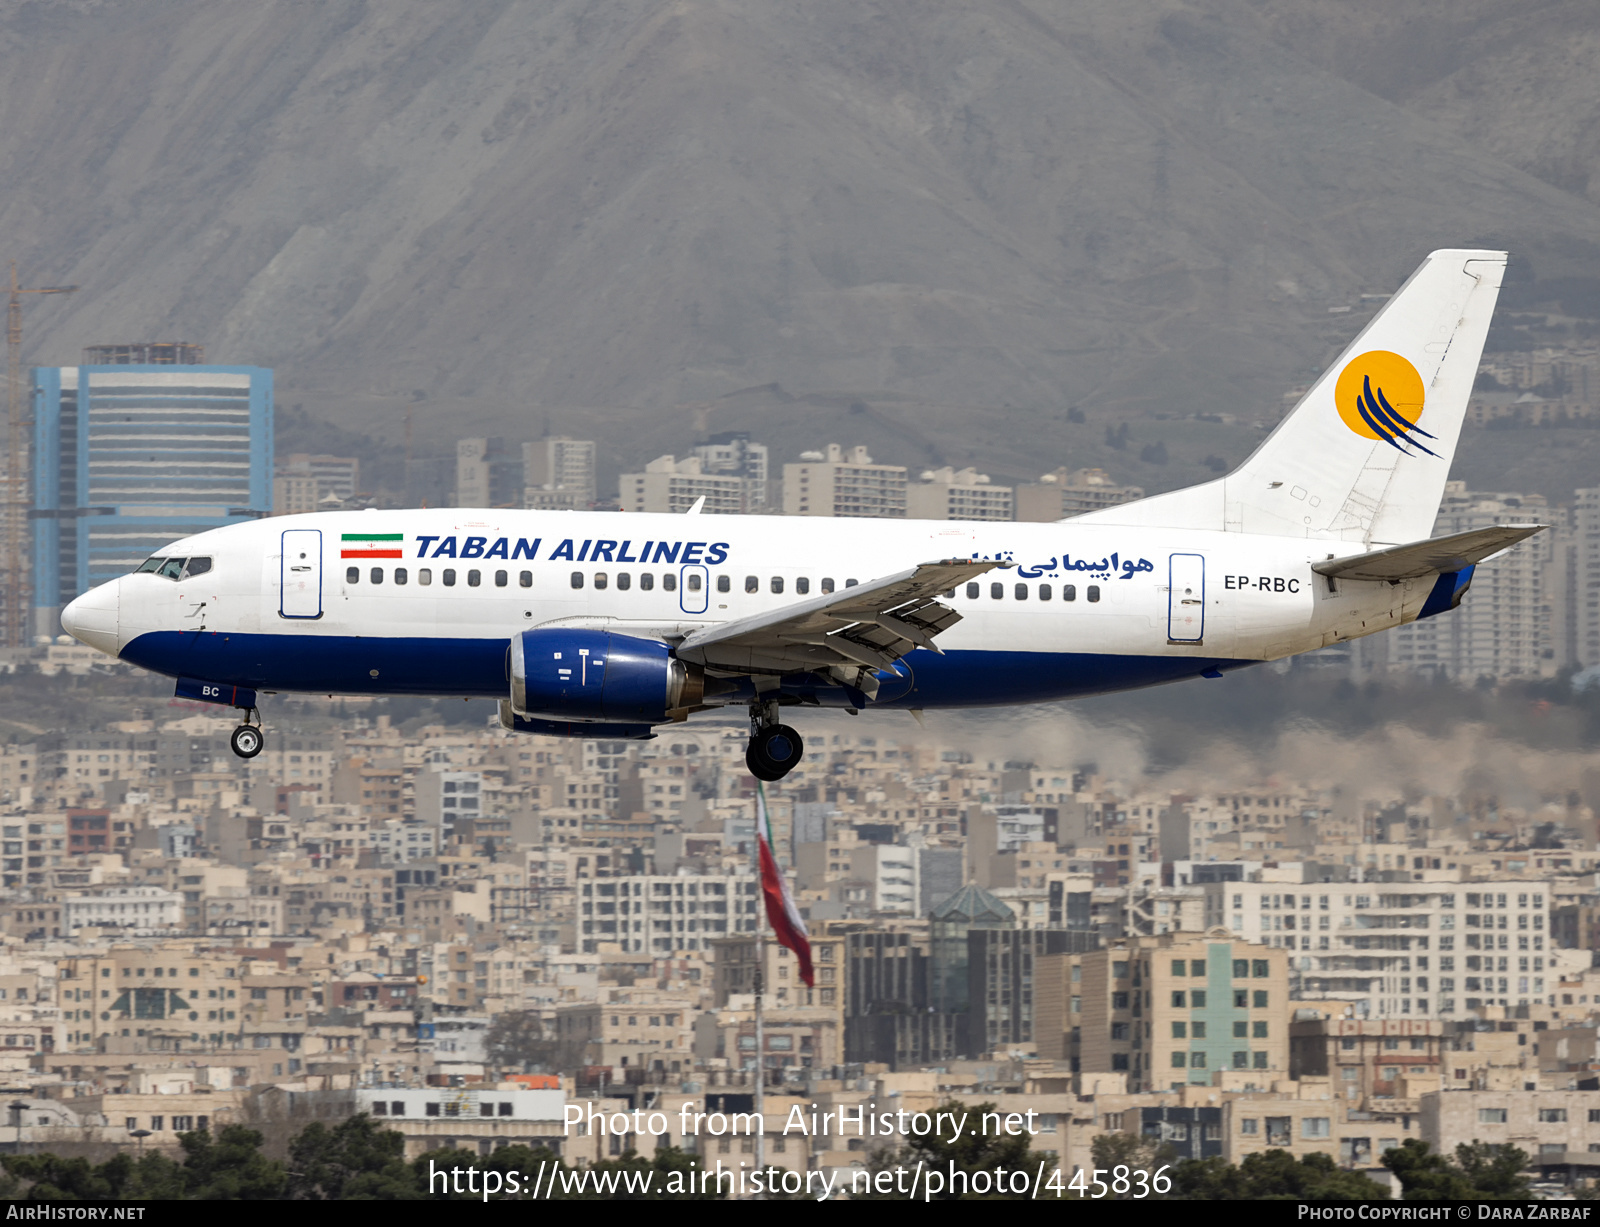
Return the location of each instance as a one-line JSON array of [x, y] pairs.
[[128, 458]]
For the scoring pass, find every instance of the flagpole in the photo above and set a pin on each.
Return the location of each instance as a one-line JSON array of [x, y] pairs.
[[760, 986]]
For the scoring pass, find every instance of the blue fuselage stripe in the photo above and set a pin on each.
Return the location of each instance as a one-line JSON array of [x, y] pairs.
[[477, 668]]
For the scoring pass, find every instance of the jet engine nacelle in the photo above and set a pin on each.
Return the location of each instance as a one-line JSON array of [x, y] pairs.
[[596, 676]]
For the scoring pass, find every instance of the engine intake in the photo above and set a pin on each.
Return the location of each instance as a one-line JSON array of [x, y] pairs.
[[594, 676]]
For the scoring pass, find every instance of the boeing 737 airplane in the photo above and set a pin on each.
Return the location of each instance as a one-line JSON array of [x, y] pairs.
[[605, 625]]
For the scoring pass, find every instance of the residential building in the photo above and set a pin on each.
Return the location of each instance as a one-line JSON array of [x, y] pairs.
[[1508, 625], [662, 915], [731, 453], [559, 466], [1064, 493], [1585, 578], [1399, 949], [1168, 1011], [674, 486], [949, 494], [844, 483], [488, 474]]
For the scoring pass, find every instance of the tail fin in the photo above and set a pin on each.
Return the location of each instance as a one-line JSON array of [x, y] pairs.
[[1365, 454]]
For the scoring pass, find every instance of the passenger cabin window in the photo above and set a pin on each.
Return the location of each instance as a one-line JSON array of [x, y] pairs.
[[600, 579], [724, 583], [1044, 592], [377, 575], [424, 576], [624, 581], [827, 585], [1069, 592], [802, 585], [972, 592], [577, 579], [669, 582], [752, 583], [694, 582], [352, 575], [997, 592], [525, 579], [777, 584], [449, 577], [1094, 593], [474, 578], [501, 579], [1022, 592], [647, 582], [399, 575]]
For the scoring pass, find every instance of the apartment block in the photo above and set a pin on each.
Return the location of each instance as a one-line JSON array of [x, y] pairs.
[[559, 466], [1167, 1011], [674, 486], [1400, 949], [1065, 493], [965, 494], [842, 482]]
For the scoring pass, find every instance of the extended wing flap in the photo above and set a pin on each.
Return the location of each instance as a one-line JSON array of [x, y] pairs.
[[870, 625], [1439, 555]]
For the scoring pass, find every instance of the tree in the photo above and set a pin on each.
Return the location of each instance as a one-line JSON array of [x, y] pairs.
[[517, 1037], [1481, 1172], [965, 1152], [353, 1160], [232, 1168], [1272, 1175], [1109, 1151]]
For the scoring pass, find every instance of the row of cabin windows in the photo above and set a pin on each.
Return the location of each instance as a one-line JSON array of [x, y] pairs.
[[447, 576], [1069, 592], [693, 581]]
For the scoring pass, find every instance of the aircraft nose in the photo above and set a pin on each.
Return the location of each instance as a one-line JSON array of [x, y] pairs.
[[92, 618]]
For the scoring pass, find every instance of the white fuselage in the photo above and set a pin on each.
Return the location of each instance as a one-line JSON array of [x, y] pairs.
[[1085, 608]]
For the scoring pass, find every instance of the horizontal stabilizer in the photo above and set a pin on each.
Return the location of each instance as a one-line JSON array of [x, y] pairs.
[[1440, 555]]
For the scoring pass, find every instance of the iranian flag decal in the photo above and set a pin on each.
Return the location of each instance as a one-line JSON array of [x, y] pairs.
[[371, 545]]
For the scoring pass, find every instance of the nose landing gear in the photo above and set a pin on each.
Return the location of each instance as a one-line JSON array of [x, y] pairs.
[[775, 749], [248, 740]]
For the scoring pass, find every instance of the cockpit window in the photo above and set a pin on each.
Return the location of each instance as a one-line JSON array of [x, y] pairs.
[[175, 568]]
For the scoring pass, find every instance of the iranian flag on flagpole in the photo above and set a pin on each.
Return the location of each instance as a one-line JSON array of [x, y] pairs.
[[782, 914]]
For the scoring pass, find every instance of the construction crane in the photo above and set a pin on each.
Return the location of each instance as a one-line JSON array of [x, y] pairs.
[[14, 589]]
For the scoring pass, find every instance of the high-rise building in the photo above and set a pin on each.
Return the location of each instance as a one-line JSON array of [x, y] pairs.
[[844, 483], [128, 457], [951, 494], [488, 474], [1584, 598], [732, 454], [558, 466], [335, 476], [673, 486], [1508, 624]]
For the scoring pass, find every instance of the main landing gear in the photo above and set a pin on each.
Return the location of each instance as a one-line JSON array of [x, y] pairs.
[[248, 740], [775, 749]]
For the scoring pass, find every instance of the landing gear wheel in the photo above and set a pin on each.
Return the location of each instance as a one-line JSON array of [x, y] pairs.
[[247, 741], [774, 752]]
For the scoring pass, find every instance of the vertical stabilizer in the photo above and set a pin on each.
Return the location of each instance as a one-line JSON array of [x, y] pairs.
[[1365, 454]]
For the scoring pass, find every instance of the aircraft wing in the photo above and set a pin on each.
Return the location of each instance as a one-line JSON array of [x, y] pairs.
[[868, 626], [1419, 558]]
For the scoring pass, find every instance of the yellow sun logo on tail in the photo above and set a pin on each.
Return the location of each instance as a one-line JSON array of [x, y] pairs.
[[1379, 396]]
